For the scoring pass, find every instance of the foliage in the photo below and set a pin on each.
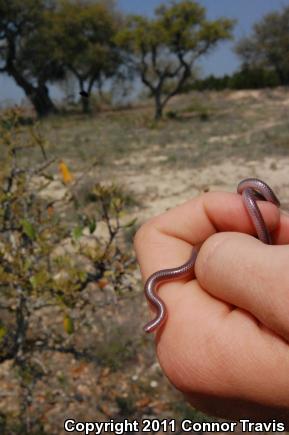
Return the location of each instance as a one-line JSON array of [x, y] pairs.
[[36, 269], [43, 41], [246, 78], [267, 46], [164, 49], [25, 50], [83, 37]]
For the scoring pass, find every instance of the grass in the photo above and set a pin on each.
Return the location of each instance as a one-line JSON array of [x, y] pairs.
[[114, 140], [117, 138], [117, 351]]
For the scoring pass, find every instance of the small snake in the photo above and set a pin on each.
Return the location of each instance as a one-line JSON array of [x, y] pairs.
[[251, 189]]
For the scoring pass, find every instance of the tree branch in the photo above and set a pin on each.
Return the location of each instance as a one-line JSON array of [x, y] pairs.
[[143, 71], [43, 346]]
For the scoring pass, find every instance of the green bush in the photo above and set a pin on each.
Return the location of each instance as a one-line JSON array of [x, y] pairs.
[[246, 78], [43, 255]]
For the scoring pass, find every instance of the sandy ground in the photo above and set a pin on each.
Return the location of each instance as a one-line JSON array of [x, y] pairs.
[[162, 190]]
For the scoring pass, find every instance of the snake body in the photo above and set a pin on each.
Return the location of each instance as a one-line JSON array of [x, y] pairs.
[[251, 189]]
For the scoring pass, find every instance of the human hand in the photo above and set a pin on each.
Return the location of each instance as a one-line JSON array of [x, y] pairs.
[[225, 343]]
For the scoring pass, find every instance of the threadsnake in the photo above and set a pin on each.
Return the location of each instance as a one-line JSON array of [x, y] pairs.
[[251, 189]]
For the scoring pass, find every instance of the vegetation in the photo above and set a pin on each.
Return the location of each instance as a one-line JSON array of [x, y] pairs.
[[267, 46], [83, 40], [25, 52], [48, 262], [45, 41], [164, 50], [41, 42], [246, 78]]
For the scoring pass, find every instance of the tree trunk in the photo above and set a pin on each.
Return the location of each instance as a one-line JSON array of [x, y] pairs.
[[85, 94], [281, 75], [39, 96], [158, 107], [85, 102], [42, 102]]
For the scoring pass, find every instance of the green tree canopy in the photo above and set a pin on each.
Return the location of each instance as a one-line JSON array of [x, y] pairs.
[[83, 34], [163, 50], [25, 50], [267, 46]]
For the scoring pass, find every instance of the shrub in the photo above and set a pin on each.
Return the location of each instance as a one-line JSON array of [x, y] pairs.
[[46, 260]]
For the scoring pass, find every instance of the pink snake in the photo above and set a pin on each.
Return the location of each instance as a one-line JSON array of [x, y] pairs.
[[251, 189]]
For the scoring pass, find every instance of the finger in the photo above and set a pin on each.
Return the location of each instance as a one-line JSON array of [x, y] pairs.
[[209, 348], [280, 235], [166, 240], [241, 271]]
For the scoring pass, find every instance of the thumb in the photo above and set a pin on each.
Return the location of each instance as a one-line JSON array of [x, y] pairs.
[[244, 272]]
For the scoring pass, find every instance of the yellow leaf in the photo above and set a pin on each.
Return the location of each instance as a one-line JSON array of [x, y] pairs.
[[68, 324], [66, 174], [2, 332]]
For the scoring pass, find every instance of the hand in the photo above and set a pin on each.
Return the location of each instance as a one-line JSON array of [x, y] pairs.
[[225, 343]]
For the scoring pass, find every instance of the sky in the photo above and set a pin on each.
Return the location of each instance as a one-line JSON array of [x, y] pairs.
[[221, 61]]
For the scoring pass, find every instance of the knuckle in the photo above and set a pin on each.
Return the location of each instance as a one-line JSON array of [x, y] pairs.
[[209, 250]]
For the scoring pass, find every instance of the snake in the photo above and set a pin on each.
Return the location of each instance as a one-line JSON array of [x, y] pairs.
[[251, 189]]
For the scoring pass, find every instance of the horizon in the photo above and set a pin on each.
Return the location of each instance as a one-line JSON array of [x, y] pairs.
[[222, 61]]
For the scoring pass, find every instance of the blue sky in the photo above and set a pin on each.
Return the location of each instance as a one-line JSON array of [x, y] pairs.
[[222, 61]]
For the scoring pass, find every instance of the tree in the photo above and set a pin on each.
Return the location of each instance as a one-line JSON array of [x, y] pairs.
[[83, 35], [163, 50], [25, 50], [267, 46]]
